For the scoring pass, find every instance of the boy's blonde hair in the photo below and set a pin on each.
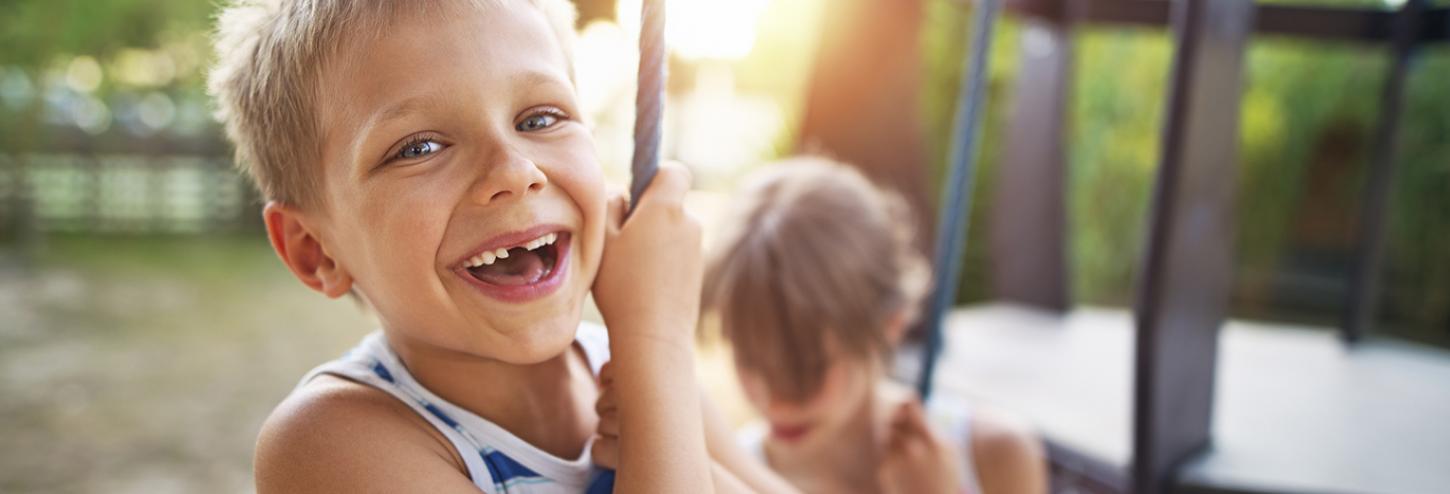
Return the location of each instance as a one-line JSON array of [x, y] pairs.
[[269, 55], [814, 260]]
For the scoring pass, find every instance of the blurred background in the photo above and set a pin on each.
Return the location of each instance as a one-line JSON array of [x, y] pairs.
[[146, 329]]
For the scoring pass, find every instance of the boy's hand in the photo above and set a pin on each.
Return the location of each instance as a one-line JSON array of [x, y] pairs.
[[916, 460], [605, 450], [648, 290], [650, 275]]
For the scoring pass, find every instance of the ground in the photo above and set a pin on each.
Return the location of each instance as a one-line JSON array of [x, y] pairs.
[[148, 364]]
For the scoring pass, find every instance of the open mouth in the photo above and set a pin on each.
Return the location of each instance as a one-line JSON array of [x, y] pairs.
[[521, 269], [789, 433]]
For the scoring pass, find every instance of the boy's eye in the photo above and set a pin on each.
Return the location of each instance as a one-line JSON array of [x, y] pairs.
[[418, 149], [538, 121]]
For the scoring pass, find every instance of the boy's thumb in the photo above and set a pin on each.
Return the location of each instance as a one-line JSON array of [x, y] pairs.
[[614, 215]]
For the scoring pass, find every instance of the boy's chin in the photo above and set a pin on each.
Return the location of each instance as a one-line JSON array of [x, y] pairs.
[[537, 343]]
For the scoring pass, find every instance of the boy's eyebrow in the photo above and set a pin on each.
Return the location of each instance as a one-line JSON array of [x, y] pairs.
[[530, 78], [536, 78], [399, 109]]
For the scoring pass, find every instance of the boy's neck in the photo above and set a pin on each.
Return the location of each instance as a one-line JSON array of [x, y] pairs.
[[548, 404]]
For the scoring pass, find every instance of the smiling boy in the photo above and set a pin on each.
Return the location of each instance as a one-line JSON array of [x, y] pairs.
[[429, 157]]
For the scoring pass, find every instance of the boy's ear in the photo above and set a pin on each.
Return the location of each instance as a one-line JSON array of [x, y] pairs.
[[301, 249]]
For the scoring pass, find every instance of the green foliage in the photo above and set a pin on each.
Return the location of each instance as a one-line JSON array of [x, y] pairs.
[[1117, 105], [1300, 100], [35, 32]]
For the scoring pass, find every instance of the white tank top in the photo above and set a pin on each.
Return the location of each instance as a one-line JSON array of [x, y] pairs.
[[498, 462], [948, 415]]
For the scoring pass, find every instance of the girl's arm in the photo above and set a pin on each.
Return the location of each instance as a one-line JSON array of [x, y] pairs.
[[1008, 456]]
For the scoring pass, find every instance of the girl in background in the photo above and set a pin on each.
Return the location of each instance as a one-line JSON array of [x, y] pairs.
[[815, 281]]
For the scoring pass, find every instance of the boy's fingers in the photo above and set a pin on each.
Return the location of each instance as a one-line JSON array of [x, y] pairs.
[[605, 452], [608, 424], [605, 404]]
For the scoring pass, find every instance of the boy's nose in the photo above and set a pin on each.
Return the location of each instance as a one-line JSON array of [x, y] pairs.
[[512, 176]]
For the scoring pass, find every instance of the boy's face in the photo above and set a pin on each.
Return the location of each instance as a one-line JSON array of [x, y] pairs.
[[454, 134]]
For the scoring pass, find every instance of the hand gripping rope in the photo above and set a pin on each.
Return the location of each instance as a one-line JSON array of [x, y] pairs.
[[649, 105]]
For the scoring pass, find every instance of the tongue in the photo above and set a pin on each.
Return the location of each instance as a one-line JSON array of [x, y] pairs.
[[522, 267]]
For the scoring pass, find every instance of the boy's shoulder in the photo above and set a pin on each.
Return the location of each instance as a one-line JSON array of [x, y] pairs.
[[333, 434]]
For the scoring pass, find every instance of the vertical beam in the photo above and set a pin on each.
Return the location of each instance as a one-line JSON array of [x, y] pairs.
[[862, 99], [1186, 272], [1363, 299], [1029, 214]]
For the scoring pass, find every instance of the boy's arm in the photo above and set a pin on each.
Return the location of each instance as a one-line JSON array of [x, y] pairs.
[[732, 470], [661, 448], [648, 290]]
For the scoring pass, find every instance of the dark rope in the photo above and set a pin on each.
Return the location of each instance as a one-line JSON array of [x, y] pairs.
[[649, 102], [649, 106], [956, 199]]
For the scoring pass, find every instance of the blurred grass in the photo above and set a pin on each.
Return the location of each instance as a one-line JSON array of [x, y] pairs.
[[148, 364]]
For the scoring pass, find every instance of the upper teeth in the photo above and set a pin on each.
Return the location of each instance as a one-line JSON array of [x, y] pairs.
[[487, 258]]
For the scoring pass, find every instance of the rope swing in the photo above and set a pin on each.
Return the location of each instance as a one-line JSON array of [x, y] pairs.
[[956, 199], [649, 101]]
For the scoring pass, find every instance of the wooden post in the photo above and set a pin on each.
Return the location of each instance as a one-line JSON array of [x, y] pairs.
[[1363, 299], [862, 103], [1186, 274], [1029, 212]]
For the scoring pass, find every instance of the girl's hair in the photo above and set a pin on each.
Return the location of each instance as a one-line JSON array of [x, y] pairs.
[[813, 263]]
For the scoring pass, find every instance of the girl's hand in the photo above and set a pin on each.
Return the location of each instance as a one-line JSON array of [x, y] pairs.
[[916, 460]]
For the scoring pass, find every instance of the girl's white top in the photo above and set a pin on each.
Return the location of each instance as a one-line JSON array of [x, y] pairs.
[[949, 416]]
